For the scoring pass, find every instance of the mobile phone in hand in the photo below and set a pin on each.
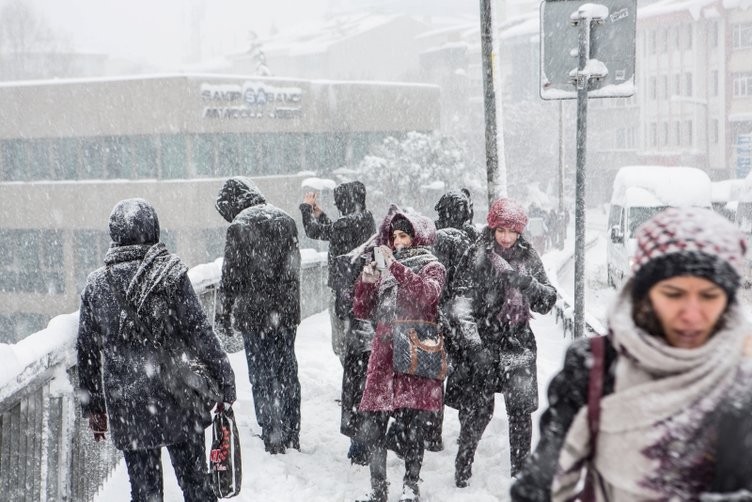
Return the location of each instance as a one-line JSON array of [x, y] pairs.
[[378, 257]]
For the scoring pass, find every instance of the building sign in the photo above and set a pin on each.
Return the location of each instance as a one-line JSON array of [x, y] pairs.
[[251, 100]]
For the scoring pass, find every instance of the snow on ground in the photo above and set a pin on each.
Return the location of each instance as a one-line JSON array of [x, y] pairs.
[[321, 472]]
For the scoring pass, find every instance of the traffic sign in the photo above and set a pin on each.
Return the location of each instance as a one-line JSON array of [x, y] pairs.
[[611, 64]]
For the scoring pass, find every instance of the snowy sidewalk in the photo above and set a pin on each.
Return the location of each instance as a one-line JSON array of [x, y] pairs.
[[321, 472]]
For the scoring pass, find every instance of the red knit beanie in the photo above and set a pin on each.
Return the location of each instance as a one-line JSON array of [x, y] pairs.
[[506, 213]]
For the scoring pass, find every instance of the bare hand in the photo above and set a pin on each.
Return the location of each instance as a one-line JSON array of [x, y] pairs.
[[370, 274], [310, 199], [386, 251]]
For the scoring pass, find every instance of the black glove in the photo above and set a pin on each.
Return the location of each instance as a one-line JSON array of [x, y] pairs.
[[223, 324], [481, 360], [516, 280]]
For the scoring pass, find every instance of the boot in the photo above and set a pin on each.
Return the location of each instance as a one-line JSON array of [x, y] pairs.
[[410, 493], [463, 466], [359, 453], [379, 493]]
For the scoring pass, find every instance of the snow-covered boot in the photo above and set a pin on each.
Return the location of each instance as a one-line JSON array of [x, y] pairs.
[[379, 493], [359, 452], [410, 493]]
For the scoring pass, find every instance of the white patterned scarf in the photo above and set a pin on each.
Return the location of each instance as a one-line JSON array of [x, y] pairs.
[[656, 439]]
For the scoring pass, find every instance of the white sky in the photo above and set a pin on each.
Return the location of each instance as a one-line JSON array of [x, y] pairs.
[[157, 31]]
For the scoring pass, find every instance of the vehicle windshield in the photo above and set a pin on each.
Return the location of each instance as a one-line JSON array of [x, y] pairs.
[[639, 215]]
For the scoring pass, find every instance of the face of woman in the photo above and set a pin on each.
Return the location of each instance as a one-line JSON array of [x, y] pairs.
[[505, 237], [688, 309], [401, 240]]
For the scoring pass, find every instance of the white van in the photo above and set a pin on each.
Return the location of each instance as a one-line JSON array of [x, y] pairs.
[[639, 193]]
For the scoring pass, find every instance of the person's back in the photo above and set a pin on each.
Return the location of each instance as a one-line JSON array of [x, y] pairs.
[[122, 361], [261, 290], [261, 268]]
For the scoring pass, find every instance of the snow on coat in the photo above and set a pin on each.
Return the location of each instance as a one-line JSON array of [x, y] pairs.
[[261, 268], [118, 371]]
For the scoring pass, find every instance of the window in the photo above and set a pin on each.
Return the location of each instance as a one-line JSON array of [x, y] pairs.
[[687, 84], [32, 261], [664, 40], [653, 134], [203, 154], [664, 87], [93, 159], [677, 84], [677, 133], [688, 39], [38, 167], [742, 36], [174, 157], [144, 154], [14, 160], [714, 131], [742, 84], [665, 134], [713, 34], [714, 84], [651, 41], [652, 88], [89, 248], [690, 139], [65, 159], [115, 160], [677, 38]]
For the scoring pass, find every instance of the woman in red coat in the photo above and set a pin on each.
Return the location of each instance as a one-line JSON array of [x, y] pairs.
[[407, 289]]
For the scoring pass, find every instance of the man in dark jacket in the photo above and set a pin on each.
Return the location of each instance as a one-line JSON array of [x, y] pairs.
[[124, 363], [351, 230], [496, 286], [261, 289]]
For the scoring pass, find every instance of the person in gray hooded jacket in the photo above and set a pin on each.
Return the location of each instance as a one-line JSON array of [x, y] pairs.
[[124, 363]]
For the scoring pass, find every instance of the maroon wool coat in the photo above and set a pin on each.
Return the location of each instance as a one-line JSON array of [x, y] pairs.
[[417, 299]]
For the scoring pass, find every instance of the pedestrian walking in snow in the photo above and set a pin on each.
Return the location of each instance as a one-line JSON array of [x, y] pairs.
[[498, 283], [659, 408], [261, 290], [405, 288], [346, 233], [138, 314]]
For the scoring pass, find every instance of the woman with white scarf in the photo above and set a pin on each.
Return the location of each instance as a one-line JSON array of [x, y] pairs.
[[676, 375]]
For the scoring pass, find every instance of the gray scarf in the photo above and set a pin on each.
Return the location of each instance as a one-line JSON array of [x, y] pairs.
[[413, 258]]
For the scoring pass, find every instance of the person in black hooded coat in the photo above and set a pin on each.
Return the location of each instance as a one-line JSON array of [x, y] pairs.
[[346, 233], [261, 289], [121, 368]]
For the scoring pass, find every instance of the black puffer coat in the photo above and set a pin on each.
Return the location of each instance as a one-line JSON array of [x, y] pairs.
[[119, 370], [478, 295], [344, 234], [261, 269]]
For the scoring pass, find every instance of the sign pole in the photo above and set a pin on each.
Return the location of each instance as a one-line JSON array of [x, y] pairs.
[[489, 99], [582, 83]]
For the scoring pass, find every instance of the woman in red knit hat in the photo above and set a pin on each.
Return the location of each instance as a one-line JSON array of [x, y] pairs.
[[499, 281]]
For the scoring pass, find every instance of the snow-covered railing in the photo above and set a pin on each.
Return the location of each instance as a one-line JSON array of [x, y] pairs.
[[46, 450], [554, 262]]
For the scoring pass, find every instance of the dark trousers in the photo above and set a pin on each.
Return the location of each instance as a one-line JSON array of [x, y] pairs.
[[473, 422], [273, 372], [353, 384], [407, 442], [189, 461]]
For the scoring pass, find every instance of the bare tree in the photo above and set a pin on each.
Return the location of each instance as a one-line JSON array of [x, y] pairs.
[[29, 48]]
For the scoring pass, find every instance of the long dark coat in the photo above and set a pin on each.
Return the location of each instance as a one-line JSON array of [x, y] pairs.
[[118, 369], [261, 269], [345, 233], [478, 297]]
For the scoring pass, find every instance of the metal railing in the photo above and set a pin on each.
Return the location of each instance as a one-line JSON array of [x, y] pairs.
[[564, 308], [47, 452]]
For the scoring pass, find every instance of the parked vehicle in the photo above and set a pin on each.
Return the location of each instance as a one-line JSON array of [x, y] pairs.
[[640, 192]]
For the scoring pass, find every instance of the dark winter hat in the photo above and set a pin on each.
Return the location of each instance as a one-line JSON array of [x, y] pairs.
[[401, 223], [688, 241], [237, 194], [350, 197], [134, 221], [506, 213]]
